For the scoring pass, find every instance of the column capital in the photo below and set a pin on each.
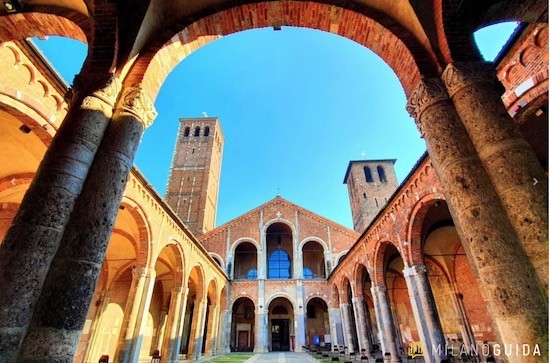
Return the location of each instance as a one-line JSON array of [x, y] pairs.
[[459, 75], [140, 271], [427, 93], [357, 299], [415, 270], [104, 93], [378, 289], [136, 103]]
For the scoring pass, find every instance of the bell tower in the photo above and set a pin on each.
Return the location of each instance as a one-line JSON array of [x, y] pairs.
[[370, 184], [194, 180]]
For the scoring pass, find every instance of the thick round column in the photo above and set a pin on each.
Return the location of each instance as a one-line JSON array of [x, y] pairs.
[[361, 323], [425, 312], [61, 311], [34, 237], [506, 276], [387, 326], [513, 168]]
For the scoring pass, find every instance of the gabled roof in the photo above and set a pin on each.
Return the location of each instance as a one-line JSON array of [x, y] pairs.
[[277, 200], [365, 161]]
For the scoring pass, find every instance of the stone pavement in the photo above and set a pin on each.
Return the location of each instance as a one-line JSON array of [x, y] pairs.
[[280, 357]]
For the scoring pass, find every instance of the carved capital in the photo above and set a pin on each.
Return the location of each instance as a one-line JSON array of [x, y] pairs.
[[139, 272], [429, 92], [419, 269], [378, 289], [460, 75], [135, 102], [104, 93]]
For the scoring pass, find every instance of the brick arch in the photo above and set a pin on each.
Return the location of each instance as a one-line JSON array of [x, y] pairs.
[[377, 277], [456, 21], [212, 291], [282, 295], [334, 296], [413, 252], [344, 289], [242, 296], [29, 111], [238, 241], [200, 283], [357, 278], [15, 179], [384, 36], [178, 269], [316, 296], [145, 242], [45, 21]]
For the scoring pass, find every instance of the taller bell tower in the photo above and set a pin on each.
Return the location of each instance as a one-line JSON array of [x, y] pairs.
[[194, 179], [370, 184]]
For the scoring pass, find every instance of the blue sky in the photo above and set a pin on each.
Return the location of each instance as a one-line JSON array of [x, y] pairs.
[[295, 106]]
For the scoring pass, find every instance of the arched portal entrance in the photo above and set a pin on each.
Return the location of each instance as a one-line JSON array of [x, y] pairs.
[[242, 325], [281, 325], [317, 323]]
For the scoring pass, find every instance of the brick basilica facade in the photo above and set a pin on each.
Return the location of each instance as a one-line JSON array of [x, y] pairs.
[[94, 262]]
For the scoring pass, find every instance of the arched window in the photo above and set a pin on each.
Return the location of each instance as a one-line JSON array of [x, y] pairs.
[[279, 265], [381, 174], [197, 131], [186, 131], [252, 274], [308, 273], [368, 175], [206, 131]]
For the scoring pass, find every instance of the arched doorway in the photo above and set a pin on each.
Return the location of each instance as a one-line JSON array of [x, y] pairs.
[[281, 325], [242, 325], [317, 323]]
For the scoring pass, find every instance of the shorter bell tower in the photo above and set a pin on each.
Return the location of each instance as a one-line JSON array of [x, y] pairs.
[[370, 184]]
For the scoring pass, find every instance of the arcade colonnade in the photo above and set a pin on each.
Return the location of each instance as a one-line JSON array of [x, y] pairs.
[[485, 167]]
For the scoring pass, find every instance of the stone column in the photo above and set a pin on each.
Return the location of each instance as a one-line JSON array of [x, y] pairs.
[[513, 168], [348, 330], [425, 312], [61, 311], [35, 234], [211, 329], [94, 333], [225, 332], [131, 332], [261, 331], [361, 323], [198, 333], [491, 244], [300, 332], [335, 318], [378, 317], [175, 349], [171, 330], [385, 320]]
